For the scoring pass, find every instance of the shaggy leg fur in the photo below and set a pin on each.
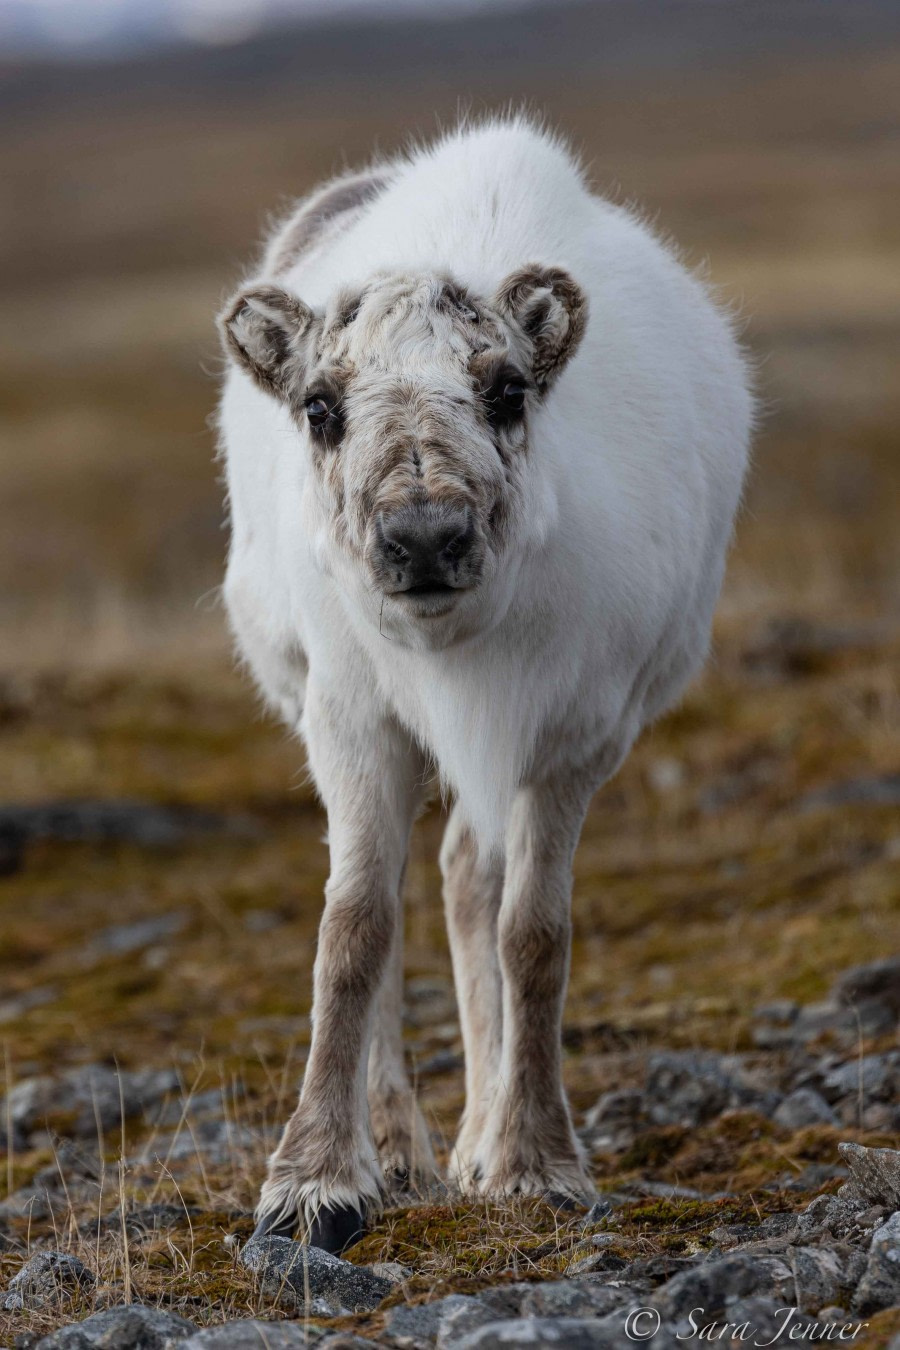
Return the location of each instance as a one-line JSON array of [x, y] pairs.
[[472, 893], [528, 1145], [326, 1171], [401, 1135]]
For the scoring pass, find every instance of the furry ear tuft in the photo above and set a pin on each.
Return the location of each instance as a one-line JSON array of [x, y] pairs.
[[551, 308], [262, 330]]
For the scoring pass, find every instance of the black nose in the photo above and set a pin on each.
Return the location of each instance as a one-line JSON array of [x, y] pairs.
[[422, 547]]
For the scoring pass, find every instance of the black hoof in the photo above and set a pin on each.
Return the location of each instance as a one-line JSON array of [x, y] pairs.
[[334, 1230], [561, 1203], [275, 1225]]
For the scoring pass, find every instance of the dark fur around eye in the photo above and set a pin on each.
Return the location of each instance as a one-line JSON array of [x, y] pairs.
[[324, 417], [506, 398]]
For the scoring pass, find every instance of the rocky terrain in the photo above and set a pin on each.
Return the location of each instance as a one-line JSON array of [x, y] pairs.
[[731, 1039], [677, 1240]]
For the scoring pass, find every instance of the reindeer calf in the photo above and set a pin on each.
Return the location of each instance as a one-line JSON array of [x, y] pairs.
[[482, 477]]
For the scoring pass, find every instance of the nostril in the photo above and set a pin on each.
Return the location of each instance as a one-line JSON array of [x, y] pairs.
[[395, 551], [461, 542]]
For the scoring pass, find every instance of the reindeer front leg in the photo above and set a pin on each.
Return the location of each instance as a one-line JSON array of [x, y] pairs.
[[325, 1172], [527, 1144]]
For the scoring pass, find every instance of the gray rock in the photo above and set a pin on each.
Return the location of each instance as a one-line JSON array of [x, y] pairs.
[[144, 1222], [48, 1278], [879, 790], [104, 822], [459, 1322], [88, 1094], [770, 1323], [129, 1328], [871, 1078], [877, 980], [708, 1286], [392, 1271], [11, 1008], [688, 1088], [834, 1214], [804, 1107], [212, 1140], [570, 1333], [249, 1334], [344, 1340], [613, 1121], [879, 1286], [811, 1277], [120, 939], [415, 1325], [874, 1175], [287, 1269], [598, 1213], [581, 1297]]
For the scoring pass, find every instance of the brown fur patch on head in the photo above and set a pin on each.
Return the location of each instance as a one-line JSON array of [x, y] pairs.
[[551, 309], [331, 206]]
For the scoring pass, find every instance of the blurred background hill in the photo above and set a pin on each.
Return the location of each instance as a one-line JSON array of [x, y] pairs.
[[142, 149]]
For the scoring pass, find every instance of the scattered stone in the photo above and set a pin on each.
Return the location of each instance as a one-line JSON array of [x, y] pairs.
[[178, 1110], [792, 645], [580, 1297], [598, 1213], [47, 1279], [707, 1286], [113, 822], [392, 1271], [613, 1121], [874, 1174], [443, 1061], [144, 1222], [344, 1340], [878, 980], [213, 1140], [81, 1098], [571, 1333], [879, 1286], [120, 939], [878, 790], [804, 1107], [39, 997], [411, 1325], [688, 1088], [127, 1328], [428, 1000], [811, 1277], [249, 1334], [288, 1269]]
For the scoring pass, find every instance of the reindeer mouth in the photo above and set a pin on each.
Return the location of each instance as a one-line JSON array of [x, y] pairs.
[[429, 590], [428, 599]]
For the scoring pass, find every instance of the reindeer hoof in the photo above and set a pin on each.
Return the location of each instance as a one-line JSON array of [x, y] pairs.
[[334, 1230], [560, 1202], [275, 1225]]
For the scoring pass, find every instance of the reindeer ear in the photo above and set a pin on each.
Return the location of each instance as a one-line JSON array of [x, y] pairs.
[[263, 330], [551, 308]]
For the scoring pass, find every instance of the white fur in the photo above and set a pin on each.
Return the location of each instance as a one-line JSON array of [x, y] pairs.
[[639, 454]]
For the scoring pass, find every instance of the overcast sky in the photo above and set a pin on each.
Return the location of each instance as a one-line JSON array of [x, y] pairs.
[[92, 27]]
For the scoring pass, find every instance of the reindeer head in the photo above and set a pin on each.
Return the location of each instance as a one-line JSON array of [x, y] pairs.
[[413, 399]]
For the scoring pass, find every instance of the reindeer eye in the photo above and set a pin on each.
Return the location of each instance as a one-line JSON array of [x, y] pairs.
[[317, 412], [512, 396]]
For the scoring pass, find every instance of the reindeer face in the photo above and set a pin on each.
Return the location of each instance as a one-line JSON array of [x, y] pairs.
[[414, 400]]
